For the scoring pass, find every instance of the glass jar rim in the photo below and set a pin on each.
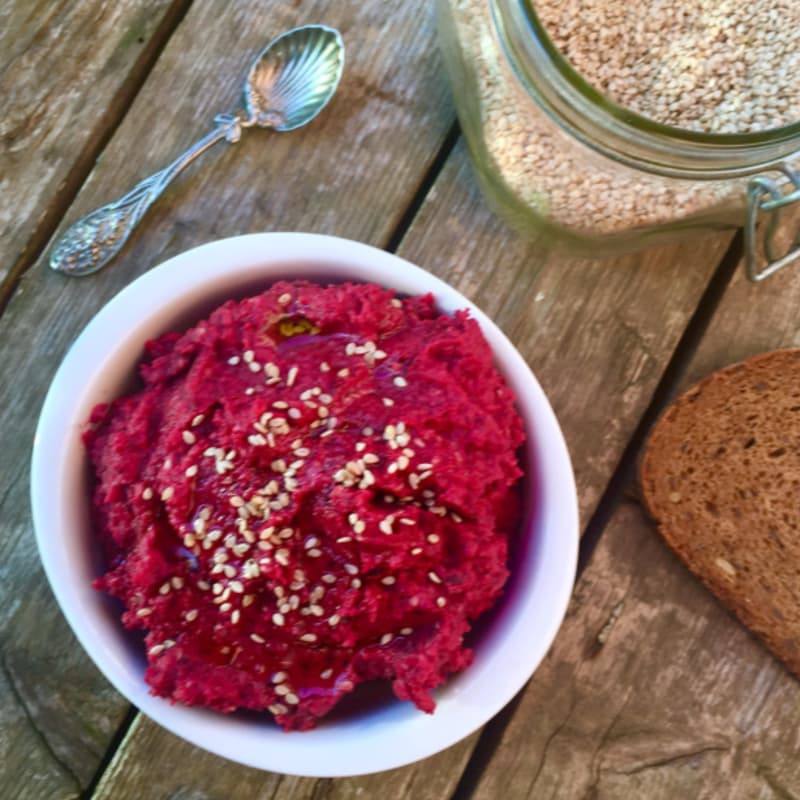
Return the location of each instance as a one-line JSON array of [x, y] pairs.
[[616, 131]]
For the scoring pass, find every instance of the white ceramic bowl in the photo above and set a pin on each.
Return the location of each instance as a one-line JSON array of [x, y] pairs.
[[100, 366]]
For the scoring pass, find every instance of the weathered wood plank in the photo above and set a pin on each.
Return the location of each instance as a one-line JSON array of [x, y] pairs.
[[592, 330], [184, 772], [681, 701], [389, 118], [651, 690], [66, 69]]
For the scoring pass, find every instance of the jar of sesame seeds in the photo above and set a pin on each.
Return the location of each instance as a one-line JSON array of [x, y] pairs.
[[607, 126]]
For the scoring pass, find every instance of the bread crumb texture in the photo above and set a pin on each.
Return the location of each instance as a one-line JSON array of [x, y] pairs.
[[720, 476]]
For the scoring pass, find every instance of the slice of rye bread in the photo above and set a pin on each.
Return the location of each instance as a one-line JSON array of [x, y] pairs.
[[720, 475]]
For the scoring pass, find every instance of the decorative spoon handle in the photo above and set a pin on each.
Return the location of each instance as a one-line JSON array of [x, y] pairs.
[[96, 238]]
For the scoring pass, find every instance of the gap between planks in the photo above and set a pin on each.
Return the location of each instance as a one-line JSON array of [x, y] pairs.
[[108, 123], [624, 473]]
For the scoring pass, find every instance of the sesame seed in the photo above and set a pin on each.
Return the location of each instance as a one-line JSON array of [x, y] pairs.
[[248, 600], [282, 557], [144, 612], [334, 620], [168, 493], [191, 616], [278, 619], [388, 402], [385, 525], [400, 381], [324, 367], [156, 649], [292, 699], [303, 452], [406, 631], [279, 465], [359, 526], [249, 390], [351, 569], [279, 677], [344, 372], [290, 378], [177, 582], [198, 420], [294, 413], [285, 299], [406, 521], [315, 552], [326, 673], [257, 639], [236, 586], [368, 431], [350, 349], [386, 638], [192, 471], [389, 580], [282, 690], [434, 577], [356, 583], [225, 607], [164, 588], [248, 356], [203, 585], [317, 610], [308, 637], [235, 616], [433, 538], [396, 303], [236, 501], [441, 602], [234, 360], [147, 493], [273, 370], [230, 571], [415, 551], [329, 578]]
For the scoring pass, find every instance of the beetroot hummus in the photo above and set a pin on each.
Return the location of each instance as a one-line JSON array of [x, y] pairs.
[[313, 488]]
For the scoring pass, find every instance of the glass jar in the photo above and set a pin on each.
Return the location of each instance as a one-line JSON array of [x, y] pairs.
[[558, 158]]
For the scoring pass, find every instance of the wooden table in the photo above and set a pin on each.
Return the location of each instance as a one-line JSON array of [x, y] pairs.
[[651, 690]]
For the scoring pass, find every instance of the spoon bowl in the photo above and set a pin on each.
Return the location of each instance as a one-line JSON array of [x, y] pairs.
[[294, 77]]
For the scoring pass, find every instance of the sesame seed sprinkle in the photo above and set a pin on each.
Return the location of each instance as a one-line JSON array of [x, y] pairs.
[[147, 493], [257, 639], [192, 471], [400, 381], [406, 631], [279, 619], [292, 699], [285, 299], [191, 616], [144, 612], [291, 377], [389, 580], [234, 360], [386, 638], [326, 674], [441, 602], [168, 493]]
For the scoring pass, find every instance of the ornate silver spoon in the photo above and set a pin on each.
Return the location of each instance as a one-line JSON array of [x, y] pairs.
[[290, 82]]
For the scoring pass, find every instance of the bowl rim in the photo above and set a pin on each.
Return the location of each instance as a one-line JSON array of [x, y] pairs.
[[387, 738]]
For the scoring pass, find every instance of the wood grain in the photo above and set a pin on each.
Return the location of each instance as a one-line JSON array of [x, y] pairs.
[[651, 690], [67, 70], [183, 772], [389, 118]]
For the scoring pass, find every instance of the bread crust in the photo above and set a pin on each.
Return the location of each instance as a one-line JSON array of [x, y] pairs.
[[720, 476]]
